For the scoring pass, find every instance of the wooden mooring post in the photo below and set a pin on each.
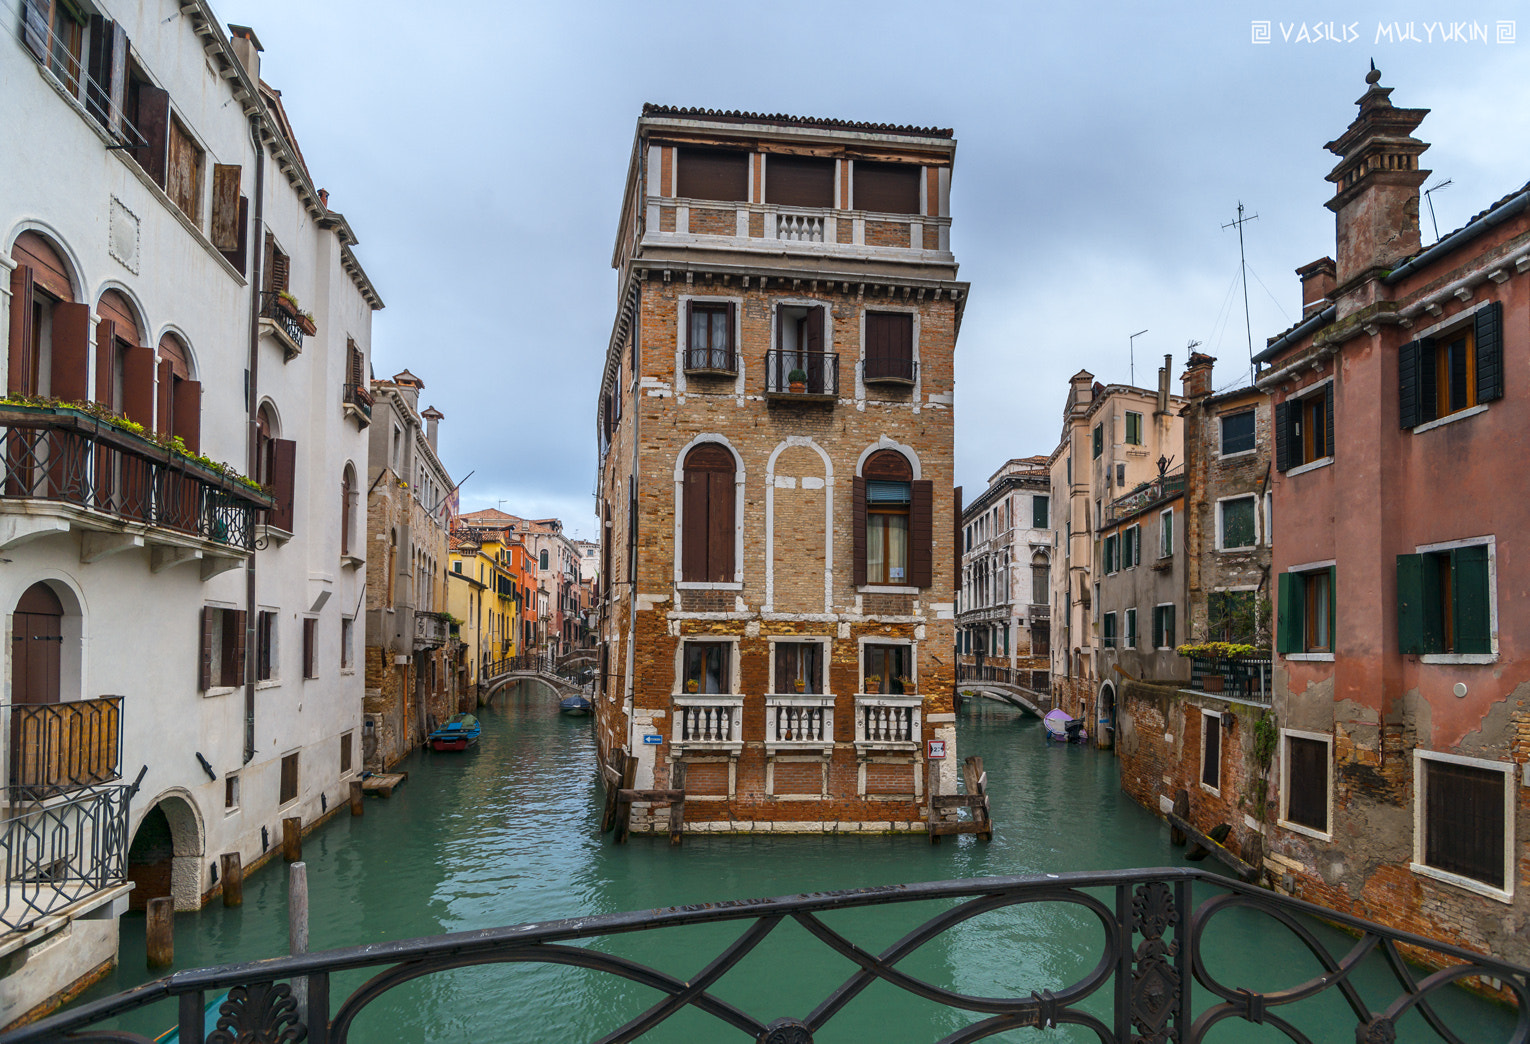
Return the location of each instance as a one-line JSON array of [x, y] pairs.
[[160, 932], [677, 804], [975, 800], [1206, 844], [358, 798], [232, 871], [292, 839]]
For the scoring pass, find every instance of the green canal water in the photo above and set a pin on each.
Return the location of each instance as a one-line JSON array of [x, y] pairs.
[[507, 834]]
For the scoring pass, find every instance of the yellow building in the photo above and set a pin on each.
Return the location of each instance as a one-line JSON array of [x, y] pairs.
[[483, 594]]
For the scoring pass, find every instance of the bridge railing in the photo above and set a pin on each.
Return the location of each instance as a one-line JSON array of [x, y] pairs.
[[1154, 976], [1022, 677]]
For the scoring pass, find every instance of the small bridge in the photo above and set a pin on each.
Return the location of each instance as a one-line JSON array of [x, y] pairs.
[[531, 667], [1030, 690]]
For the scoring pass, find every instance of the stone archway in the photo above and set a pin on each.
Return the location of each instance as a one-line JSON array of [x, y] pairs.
[[1105, 727], [165, 856]]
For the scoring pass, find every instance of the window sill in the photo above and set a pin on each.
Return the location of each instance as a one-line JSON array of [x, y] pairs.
[[1235, 456], [1302, 469], [1458, 658], [906, 382], [698, 585], [219, 690], [268, 683], [1237, 550], [886, 589], [1459, 415], [1309, 657], [709, 371], [1305, 831], [1214, 791], [1466, 883]]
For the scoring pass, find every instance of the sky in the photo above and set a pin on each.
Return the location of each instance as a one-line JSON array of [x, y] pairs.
[[1101, 152]]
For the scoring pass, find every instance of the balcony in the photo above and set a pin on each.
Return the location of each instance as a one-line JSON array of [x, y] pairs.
[[720, 362], [63, 854], [431, 630], [817, 373], [1161, 488], [708, 722], [281, 319], [890, 371], [1243, 679], [358, 402], [799, 724], [66, 469], [770, 227], [887, 722], [61, 747]]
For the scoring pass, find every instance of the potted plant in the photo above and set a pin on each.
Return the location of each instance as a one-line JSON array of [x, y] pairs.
[[801, 685], [692, 685], [873, 683], [907, 683], [305, 321], [797, 381]]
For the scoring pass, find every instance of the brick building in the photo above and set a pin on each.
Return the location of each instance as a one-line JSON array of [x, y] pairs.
[[774, 423], [1400, 790], [1004, 609]]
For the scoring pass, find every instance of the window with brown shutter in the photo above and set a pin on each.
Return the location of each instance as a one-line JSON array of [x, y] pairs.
[[183, 173], [886, 188], [893, 517], [1306, 783], [889, 347], [223, 229], [265, 645], [289, 784], [707, 515], [721, 174], [222, 646], [1464, 819], [310, 647], [283, 482], [151, 115], [69, 353], [1211, 751], [799, 181], [345, 753]]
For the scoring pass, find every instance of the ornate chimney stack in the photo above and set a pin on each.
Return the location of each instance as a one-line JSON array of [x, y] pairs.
[[1376, 184]]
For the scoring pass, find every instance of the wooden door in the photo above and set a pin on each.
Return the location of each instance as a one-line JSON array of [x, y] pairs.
[[37, 640]]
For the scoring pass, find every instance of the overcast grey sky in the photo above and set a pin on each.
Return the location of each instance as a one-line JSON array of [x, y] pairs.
[[481, 163]]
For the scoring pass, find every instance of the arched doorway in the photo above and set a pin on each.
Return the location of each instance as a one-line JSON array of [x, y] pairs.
[[1106, 734], [166, 855], [37, 640]]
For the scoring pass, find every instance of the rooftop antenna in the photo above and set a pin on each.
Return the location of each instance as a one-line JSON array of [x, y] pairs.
[[1432, 219], [1131, 351], [1243, 267]]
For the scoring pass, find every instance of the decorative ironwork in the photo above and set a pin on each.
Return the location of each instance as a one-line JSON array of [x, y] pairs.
[[713, 359], [820, 372], [59, 747], [891, 370], [60, 852], [275, 308], [1152, 944], [359, 396], [1037, 681], [1240, 678], [262, 1012]]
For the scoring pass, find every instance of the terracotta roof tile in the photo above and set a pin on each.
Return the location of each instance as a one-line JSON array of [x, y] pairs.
[[737, 116]]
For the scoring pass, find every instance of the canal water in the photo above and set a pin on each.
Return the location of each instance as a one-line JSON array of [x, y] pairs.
[[508, 833]]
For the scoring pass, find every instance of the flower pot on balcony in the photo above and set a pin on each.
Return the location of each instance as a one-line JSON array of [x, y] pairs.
[[305, 323], [873, 685], [801, 685], [798, 387], [692, 686], [1212, 682]]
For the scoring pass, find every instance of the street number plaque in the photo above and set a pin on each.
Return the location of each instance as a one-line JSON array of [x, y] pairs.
[[937, 750]]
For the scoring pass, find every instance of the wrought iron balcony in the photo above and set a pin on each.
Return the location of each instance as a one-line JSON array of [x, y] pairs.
[[284, 319], [62, 852], [890, 371], [722, 361], [1020, 677], [60, 747], [359, 398], [109, 476], [1243, 678], [819, 372]]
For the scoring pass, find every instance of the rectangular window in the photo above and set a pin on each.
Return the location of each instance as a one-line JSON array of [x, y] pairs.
[[1099, 440], [1235, 523], [1306, 611], [310, 647], [1305, 774], [891, 666], [1304, 428], [345, 753], [1111, 559], [886, 188], [1445, 601], [1211, 750], [1230, 617], [347, 641], [1041, 512], [222, 648], [721, 174], [1121, 475], [1133, 428], [230, 793], [1163, 626], [184, 173], [289, 786], [708, 667], [889, 347], [1166, 533], [709, 341], [1464, 818], [1237, 432], [1131, 546], [1131, 630], [799, 181], [265, 645], [1108, 631], [799, 667], [887, 524]]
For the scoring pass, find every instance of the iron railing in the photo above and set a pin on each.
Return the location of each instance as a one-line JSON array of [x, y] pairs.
[[820, 371], [902, 371], [1147, 493], [275, 308], [1154, 980], [1240, 678], [59, 852], [63, 455], [716, 359], [59, 747], [359, 396]]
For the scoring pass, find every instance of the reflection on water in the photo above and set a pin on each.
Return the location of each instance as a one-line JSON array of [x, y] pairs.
[[507, 833]]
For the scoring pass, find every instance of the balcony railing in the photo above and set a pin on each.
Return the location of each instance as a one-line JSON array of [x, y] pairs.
[[707, 720], [275, 308], [1242, 678], [720, 360], [64, 455], [819, 372], [888, 721], [59, 747], [430, 630], [1039, 612], [766, 226], [59, 853], [1145, 494], [799, 228], [359, 396], [799, 721], [890, 371]]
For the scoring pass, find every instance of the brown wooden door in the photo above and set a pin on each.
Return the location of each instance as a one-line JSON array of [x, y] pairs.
[[37, 639]]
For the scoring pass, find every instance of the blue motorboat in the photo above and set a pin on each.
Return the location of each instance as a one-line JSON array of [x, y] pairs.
[[460, 732]]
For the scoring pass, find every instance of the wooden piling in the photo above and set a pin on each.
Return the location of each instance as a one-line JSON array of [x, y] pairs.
[[1182, 810], [357, 794], [233, 879], [624, 798], [677, 805], [297, 927], [932, 785], [611, 777], [977, 787], [161, 932], [292, 839]]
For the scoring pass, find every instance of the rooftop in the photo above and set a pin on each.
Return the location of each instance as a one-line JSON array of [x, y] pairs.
[[784, 120]]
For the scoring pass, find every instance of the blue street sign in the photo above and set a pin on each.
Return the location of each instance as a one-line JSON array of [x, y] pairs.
[[652, 738]]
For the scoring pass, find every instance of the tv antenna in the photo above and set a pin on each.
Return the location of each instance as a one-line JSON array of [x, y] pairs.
[[1243, 267], [1131, 351], [1432, 218]]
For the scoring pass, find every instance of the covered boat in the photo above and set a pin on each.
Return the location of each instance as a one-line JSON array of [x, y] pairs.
[[457, 734], [576, 704], [1062, 729]]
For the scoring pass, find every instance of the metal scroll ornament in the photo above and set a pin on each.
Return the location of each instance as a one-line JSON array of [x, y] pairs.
[[261, 1013], [786, 1031], [1155, 981]]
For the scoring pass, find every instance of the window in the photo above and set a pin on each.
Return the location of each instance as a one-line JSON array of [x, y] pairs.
[[709, 336], [222, 648], [1445, 601], [1166, 533], [721, 174], [289, 783], [347, 498], [1133, 428], [1237, 432], [799, 357], [1163, 626], [544, 558], [799, 181], [1306, 611], [1304, 428], [1099, 439], [183, 180], [54, 30], [1231, 617], [1465, 822], [1040, 512], [707, 512], [891, 665], [1112, 558], [893, 524], [1304, 772], [799, 667], [1121, 475], [1131, 546], [1453, 371], [889, 347], [1131, 630], [1235, 523], [345, 753], [265, 645], [707, 667], [230, 793], [310, 647], [1211, 750], [347, 642], [1041, 578], [1108, 631], [886, 188]]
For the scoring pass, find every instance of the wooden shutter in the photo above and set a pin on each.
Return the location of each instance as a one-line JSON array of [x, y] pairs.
[[814, 327], [106, 356], [690, 345], [19, 380], [799, 181], [693, 533], [34, 27], [956, 534], [237, 619], [632, 530], [238, 256], [720, 509], [1470, 599], [887, 188], [186, 412], [225, 206], [1328, 419], [166, 374], [138, 385], [310, 644], [1333, 609], [71, 351], [858, 526], [732, 325], [1410, 604], [921, 534], [153, 122], [721, 174], [1407, 386], [1290, 622], [1464, 820], [1489, 337], [283, 482], [1283, 436], [1307, 782], [209, 621]]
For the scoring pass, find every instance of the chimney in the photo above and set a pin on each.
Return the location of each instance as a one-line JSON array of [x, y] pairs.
[[247, 49], [1080, 391], [432, 417], [1197, 376], [1163, 383], [1317, 284], [1376, 184]]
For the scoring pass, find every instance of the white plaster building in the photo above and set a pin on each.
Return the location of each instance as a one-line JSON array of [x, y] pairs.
[[181, 671], [1004, 609]]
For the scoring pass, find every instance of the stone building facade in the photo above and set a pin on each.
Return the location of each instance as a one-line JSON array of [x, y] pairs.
[[1004, 607], [774, 423]]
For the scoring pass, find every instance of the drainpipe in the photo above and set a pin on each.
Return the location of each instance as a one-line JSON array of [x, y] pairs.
[[256, 241]]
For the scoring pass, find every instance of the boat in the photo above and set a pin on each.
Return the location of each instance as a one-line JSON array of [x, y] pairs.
[[576, 704], [460, 732], [1059, 728]]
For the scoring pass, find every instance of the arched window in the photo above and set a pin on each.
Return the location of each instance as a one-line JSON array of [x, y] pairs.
[[1041, 579], [117, 338], [36, 646], [50, 334], [347, 514], [893, 523], [265, 444], [706, 515], [180, 397]]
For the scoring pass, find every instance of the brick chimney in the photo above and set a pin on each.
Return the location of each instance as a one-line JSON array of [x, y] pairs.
[[1376, 184], [1317, 284], [1196, 380]]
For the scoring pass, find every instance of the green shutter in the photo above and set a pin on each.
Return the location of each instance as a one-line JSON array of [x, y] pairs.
[[1470, 599], [1410, 604], [1407, 385], [1333, 602], [1282, 436], [1328, 420], [1431, 601], [1489, 337], [1289, 624]]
